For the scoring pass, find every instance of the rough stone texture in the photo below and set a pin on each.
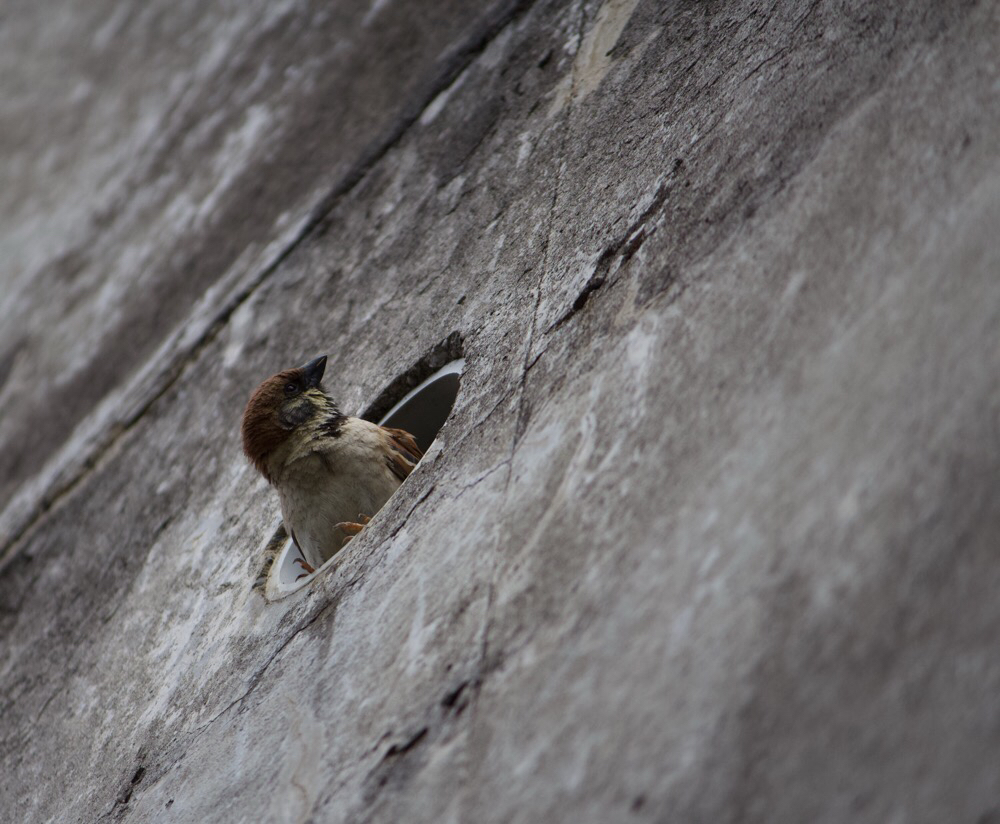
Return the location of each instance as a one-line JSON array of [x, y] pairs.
[[712, 532]]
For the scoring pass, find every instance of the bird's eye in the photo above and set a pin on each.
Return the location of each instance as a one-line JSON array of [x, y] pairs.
[[291, 389]]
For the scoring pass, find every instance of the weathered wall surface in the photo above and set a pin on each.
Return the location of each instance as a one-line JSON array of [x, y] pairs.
[[712, 533]]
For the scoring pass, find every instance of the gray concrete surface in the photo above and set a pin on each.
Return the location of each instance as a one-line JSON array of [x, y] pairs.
[[712, 533]]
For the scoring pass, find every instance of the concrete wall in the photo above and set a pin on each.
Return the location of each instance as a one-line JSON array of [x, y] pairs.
[[712, 533]]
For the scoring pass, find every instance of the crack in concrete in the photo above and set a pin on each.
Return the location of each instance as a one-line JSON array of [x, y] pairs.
[[779, 53], [254, 682], [627, 245], [461, 58], [52, 697], [624, 248], [398, 750], [483, 667], [402, 521], [566, 118], [119, 809], [484, 649], [258, 676], [505, 463]]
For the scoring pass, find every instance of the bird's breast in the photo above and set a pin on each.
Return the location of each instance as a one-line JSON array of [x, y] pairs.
[[325, 488]]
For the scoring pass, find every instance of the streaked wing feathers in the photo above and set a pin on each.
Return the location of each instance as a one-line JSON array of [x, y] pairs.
[[403, 452]]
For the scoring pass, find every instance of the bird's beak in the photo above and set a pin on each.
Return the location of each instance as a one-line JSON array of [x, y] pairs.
[[313, 371]]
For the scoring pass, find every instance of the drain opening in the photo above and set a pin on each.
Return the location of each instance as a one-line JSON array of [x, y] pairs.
[[421, 412]]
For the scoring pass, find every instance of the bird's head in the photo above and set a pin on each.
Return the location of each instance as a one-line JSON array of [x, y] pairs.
[[283, 405]]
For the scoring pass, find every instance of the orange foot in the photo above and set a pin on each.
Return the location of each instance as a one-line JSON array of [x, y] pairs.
[[353, 528], [309, 568]]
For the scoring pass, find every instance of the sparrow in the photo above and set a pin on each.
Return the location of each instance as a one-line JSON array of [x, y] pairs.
[[332, 471]]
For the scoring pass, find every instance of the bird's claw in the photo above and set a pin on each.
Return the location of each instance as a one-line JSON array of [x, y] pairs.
[[309, 568], [352, 528]]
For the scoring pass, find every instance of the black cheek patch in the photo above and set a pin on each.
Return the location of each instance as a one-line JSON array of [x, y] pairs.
[[297, 414]]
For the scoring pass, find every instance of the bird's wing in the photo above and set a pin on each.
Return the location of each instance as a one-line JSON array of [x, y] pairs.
[[403, 452]]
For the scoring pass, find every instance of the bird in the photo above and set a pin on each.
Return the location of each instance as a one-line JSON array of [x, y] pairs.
[[332, 471]]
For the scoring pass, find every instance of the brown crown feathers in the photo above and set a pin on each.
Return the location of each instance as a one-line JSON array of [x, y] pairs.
[[279, 405]]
